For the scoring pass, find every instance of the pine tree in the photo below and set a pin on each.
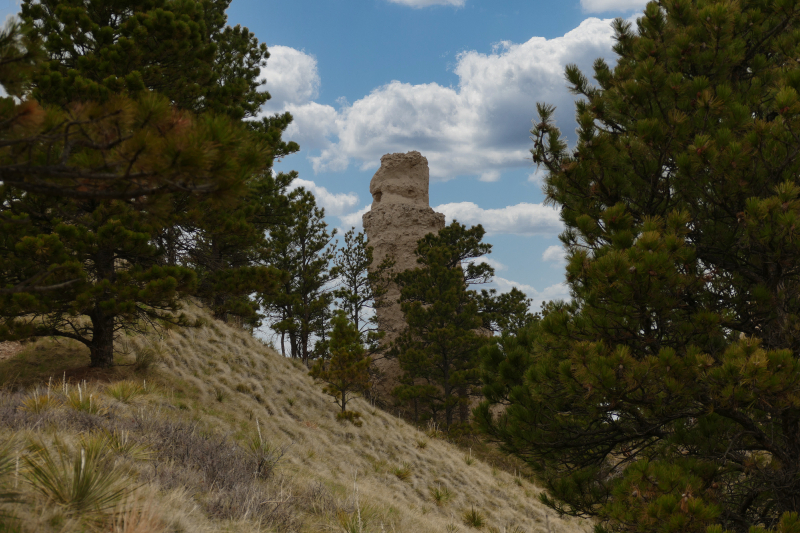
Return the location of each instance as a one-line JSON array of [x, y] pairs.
[[108, 223], [438, 350], [302, 249], [228, 250], [183, 50], [507, 312], [345, 368], [665, 398], [361, 288]]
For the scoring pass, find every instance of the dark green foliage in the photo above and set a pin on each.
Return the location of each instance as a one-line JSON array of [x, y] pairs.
[[507, 312], [229, 248], [345, 368], [666, 397], [113, 187], [361, 288], [438, 351], [107, 245], [301, 248], [180, 48]]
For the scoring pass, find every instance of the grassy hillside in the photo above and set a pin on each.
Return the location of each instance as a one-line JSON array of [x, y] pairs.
[[209, 430]]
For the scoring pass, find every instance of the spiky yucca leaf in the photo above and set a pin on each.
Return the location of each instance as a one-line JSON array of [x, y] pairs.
[[81, 480]]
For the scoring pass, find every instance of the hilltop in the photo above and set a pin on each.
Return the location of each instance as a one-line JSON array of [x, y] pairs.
[[207, 429]]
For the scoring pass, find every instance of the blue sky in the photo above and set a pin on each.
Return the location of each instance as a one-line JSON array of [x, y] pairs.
[[457, 80]]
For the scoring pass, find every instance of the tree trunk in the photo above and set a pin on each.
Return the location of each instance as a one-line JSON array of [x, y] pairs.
[[448, 393], [172, 255], [293, 344], [463, 404], [102, 345]]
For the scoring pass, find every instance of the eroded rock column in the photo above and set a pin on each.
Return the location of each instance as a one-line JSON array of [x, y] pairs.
[[400, 215]]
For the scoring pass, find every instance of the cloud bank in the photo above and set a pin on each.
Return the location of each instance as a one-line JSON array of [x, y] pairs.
[[559, 291], [335, 204], [520, 219], [478, 128]]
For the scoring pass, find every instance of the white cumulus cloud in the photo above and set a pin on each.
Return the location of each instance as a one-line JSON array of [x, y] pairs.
[[600, 6], [554, 254], [478, 128], [494, 263], [519, 219], [427, 3], [292, 77], [334, 203], [353, 220], [559, 291]]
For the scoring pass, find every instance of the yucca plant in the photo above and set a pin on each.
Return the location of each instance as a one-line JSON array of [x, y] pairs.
[[469, 459], [81, 480], [350, 522], [80, 399], [474, 518], [8, 464], [120, 442], [264, 452], [403, 473], [125, 391], [440, 495], [37, 403]]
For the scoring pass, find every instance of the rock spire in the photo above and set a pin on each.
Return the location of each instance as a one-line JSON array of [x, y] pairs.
[[399, 217]]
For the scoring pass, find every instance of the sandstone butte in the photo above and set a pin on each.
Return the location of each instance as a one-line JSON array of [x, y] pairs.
[[400, 215]]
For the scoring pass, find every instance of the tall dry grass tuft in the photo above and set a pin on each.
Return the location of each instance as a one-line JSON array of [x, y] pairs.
[[8, 465], [137, 517]]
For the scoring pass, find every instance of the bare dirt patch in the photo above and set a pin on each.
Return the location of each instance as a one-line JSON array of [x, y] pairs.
[[9, 349]]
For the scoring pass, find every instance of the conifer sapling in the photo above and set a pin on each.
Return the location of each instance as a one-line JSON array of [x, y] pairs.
[[345, 369]]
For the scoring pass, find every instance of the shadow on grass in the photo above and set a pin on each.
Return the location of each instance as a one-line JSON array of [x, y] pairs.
[[58, 359]]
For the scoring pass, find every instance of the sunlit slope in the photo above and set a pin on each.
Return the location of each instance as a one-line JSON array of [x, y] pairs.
[[214, 389]]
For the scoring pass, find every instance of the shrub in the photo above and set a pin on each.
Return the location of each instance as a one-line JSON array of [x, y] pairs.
[[354, 417]]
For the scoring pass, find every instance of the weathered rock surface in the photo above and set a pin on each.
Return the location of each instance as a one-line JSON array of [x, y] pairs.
[[400, 215]]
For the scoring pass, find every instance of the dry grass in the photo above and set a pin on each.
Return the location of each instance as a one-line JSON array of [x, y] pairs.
[[229, 436]]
